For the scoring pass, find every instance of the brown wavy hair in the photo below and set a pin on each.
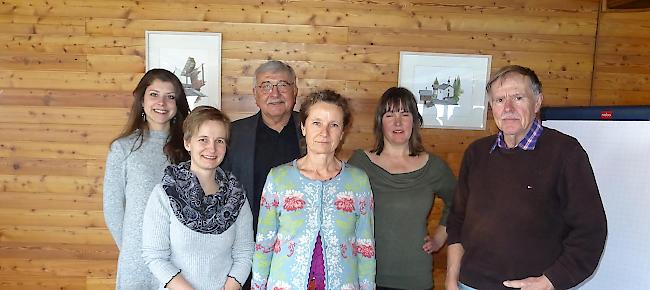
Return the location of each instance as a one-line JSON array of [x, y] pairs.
[[174, 148]]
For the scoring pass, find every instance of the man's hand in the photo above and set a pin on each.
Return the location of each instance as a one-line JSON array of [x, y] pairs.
[[455, 253], [451, 285], [531, 283]]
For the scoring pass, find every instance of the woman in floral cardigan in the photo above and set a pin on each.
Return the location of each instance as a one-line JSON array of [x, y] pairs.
[[316, 223]]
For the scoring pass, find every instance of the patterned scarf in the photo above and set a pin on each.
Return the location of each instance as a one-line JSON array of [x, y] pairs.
[[207, 214]]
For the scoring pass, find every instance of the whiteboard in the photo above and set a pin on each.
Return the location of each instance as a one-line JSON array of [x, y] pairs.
[[619, 152]]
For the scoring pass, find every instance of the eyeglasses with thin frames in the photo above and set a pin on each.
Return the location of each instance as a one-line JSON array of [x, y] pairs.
[[282, 86]]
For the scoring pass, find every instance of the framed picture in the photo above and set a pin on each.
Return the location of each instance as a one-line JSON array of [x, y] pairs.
[[449, 88], [194, 57]]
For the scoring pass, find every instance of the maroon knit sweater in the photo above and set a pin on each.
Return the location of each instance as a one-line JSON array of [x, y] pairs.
[[522, 214]]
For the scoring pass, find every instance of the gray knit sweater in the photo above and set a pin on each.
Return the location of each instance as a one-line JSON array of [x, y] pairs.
[[130, 176], [204, 260]]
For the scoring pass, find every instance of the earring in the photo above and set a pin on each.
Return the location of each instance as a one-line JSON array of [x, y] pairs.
[[144, 117], [174, 120]]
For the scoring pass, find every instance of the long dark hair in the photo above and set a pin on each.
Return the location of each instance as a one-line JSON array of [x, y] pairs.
[[174, 148], [393, 100]]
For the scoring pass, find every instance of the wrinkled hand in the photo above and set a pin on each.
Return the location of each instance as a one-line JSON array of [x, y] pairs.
[[531, 283]]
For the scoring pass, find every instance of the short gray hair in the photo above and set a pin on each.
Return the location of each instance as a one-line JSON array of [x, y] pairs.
[[275, 66], [535, 84]]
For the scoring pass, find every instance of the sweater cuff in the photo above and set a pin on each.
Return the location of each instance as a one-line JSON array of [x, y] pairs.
[[170, 279], [165, 273], [240, 284], [559, 277], [239, 273], [453, 237]]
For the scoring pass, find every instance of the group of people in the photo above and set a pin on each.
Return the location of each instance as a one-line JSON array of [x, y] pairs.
[[195, 202]]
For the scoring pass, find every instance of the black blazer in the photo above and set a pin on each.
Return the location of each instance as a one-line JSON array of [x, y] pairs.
[[241, 151]]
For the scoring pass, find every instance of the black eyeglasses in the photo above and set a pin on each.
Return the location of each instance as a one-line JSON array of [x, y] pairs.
[[282, 86]]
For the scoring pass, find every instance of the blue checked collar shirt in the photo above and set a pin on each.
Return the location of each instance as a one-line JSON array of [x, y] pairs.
[[529, 141]]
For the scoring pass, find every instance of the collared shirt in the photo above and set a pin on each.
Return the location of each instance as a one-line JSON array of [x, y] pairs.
[[529, 141], [272, 149]]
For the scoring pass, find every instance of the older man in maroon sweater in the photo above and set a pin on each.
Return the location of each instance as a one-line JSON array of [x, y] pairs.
[[527, 213]]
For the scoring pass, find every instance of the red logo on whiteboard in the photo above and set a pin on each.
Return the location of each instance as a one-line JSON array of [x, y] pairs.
[[606, 115]]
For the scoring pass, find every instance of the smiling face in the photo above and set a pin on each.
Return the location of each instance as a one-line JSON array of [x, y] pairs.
[[278, 103], [159, 105], [514, 106], [323, 128], [207, 146], [397, 126]]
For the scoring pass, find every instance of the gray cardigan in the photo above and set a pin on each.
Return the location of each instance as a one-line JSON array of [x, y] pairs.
[[204, 260]]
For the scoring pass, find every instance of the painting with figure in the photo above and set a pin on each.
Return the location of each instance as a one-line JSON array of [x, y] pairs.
[[449, 88], [194, 57]]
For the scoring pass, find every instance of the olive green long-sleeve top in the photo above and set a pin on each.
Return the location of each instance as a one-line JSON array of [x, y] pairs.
[[402, 205]]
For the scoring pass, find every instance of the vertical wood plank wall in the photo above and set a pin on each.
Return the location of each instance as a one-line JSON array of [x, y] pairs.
[[622, 66], [67, 68]]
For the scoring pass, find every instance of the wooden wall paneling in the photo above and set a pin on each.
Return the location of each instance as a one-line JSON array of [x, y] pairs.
[[62, 234], [100, 283], [58, 267], [627, 81], [559, 96], [236, 31], [40, 200], [53, 150], [62, 115], [43, 62], [622, 45], [416, 18], [625, 24], [143, 10], [34, 43], [43, 282], [32, 166], [52, 217], [89, 134], [67, 69], [622, 72], [76, 185], [611, 63], [19, 24], [116, 45], [115, 63], [65, 98], [23, 79], [322, 70], [615, 96], [434, 39]]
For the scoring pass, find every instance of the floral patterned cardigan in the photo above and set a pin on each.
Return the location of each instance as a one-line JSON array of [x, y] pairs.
[[295, 209]]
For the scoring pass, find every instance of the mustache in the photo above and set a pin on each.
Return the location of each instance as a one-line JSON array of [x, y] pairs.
[[509, 116], [272, 101]]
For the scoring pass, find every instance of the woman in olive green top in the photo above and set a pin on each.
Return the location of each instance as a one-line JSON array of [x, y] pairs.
[[405, 179]]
